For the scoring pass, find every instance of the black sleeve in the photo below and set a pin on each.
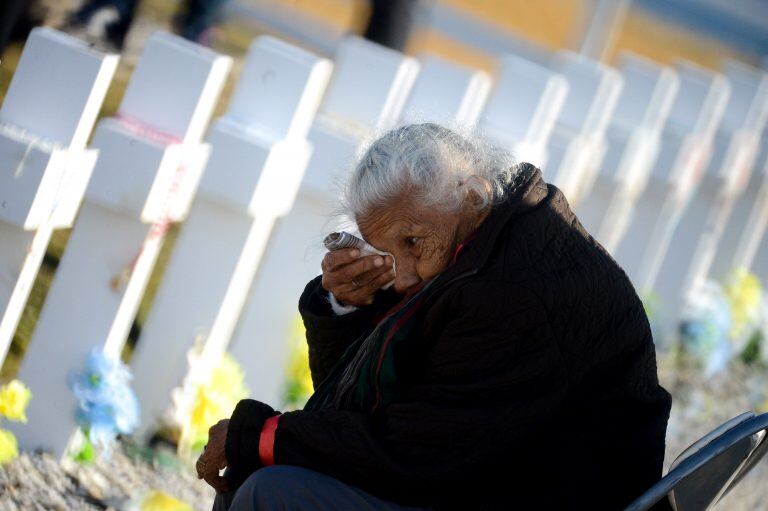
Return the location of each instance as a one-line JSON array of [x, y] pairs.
[[328, 334], [496, 376], [242, 443]]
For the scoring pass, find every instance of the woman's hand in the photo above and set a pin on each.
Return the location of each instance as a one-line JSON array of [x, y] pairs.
[[214, 457], [354, 278]]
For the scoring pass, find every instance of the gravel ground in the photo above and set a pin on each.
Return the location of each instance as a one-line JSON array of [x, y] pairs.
[[37, 482], [700, 403]]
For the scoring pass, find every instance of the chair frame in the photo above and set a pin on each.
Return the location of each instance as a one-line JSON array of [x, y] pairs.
[[744, 427]]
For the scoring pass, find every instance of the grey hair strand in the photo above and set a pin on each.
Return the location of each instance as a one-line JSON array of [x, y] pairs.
[[430, 163]]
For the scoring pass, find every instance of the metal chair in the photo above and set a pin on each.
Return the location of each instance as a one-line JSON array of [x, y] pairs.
[[711, 467]]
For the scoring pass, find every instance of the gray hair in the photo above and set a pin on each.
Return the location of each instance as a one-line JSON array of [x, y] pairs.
[[431, 163]]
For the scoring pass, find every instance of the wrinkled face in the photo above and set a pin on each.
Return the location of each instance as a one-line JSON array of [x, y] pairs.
[[421, 239]]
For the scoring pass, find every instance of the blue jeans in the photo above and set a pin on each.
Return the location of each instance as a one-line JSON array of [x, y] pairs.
[[286, 487]]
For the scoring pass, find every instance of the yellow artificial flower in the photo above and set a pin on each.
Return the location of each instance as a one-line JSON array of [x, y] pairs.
[[207, 411], [651, 305], [299, 385], [228, 378], [743, 291], [215, 400], [14, 397], [9, 449], [161, 501]]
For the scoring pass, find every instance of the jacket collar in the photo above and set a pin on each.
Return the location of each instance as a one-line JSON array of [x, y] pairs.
[[525, 193]]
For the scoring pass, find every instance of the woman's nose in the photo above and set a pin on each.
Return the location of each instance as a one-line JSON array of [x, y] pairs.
[[404, 280]]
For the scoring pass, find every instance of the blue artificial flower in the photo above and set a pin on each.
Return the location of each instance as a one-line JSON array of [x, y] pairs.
[[98, 419], [704, 329], [107, 406], [126, 410]]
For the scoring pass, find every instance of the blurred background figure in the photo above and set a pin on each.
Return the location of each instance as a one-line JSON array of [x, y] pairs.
[[198, 20], [390, 22], [108, 21], [17, 18]]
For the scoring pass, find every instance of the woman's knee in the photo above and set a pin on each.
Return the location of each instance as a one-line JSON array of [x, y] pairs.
[[270, 477], [267, 488]]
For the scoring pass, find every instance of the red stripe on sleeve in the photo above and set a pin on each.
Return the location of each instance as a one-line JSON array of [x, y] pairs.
[[267, 441]]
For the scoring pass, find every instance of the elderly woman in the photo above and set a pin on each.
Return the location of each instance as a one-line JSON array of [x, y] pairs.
[[510, 366]]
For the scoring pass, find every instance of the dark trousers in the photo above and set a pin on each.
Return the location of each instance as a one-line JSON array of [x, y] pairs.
[[295, 488]]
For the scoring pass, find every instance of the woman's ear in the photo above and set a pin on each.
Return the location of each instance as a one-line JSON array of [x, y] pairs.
[[478, 191]]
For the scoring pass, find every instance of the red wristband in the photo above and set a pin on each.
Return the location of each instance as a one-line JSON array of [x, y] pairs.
[[267, 441]]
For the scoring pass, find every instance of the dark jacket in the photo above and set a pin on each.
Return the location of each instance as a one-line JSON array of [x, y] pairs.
[[531, 380]]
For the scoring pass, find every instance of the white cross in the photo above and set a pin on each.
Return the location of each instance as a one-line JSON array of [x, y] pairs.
[[632, 148], [149, 164], [657, 250], [446, 93], [46, 118], [259, 153], [525, 101], [368, 89], [745, 120], [577, 145]]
